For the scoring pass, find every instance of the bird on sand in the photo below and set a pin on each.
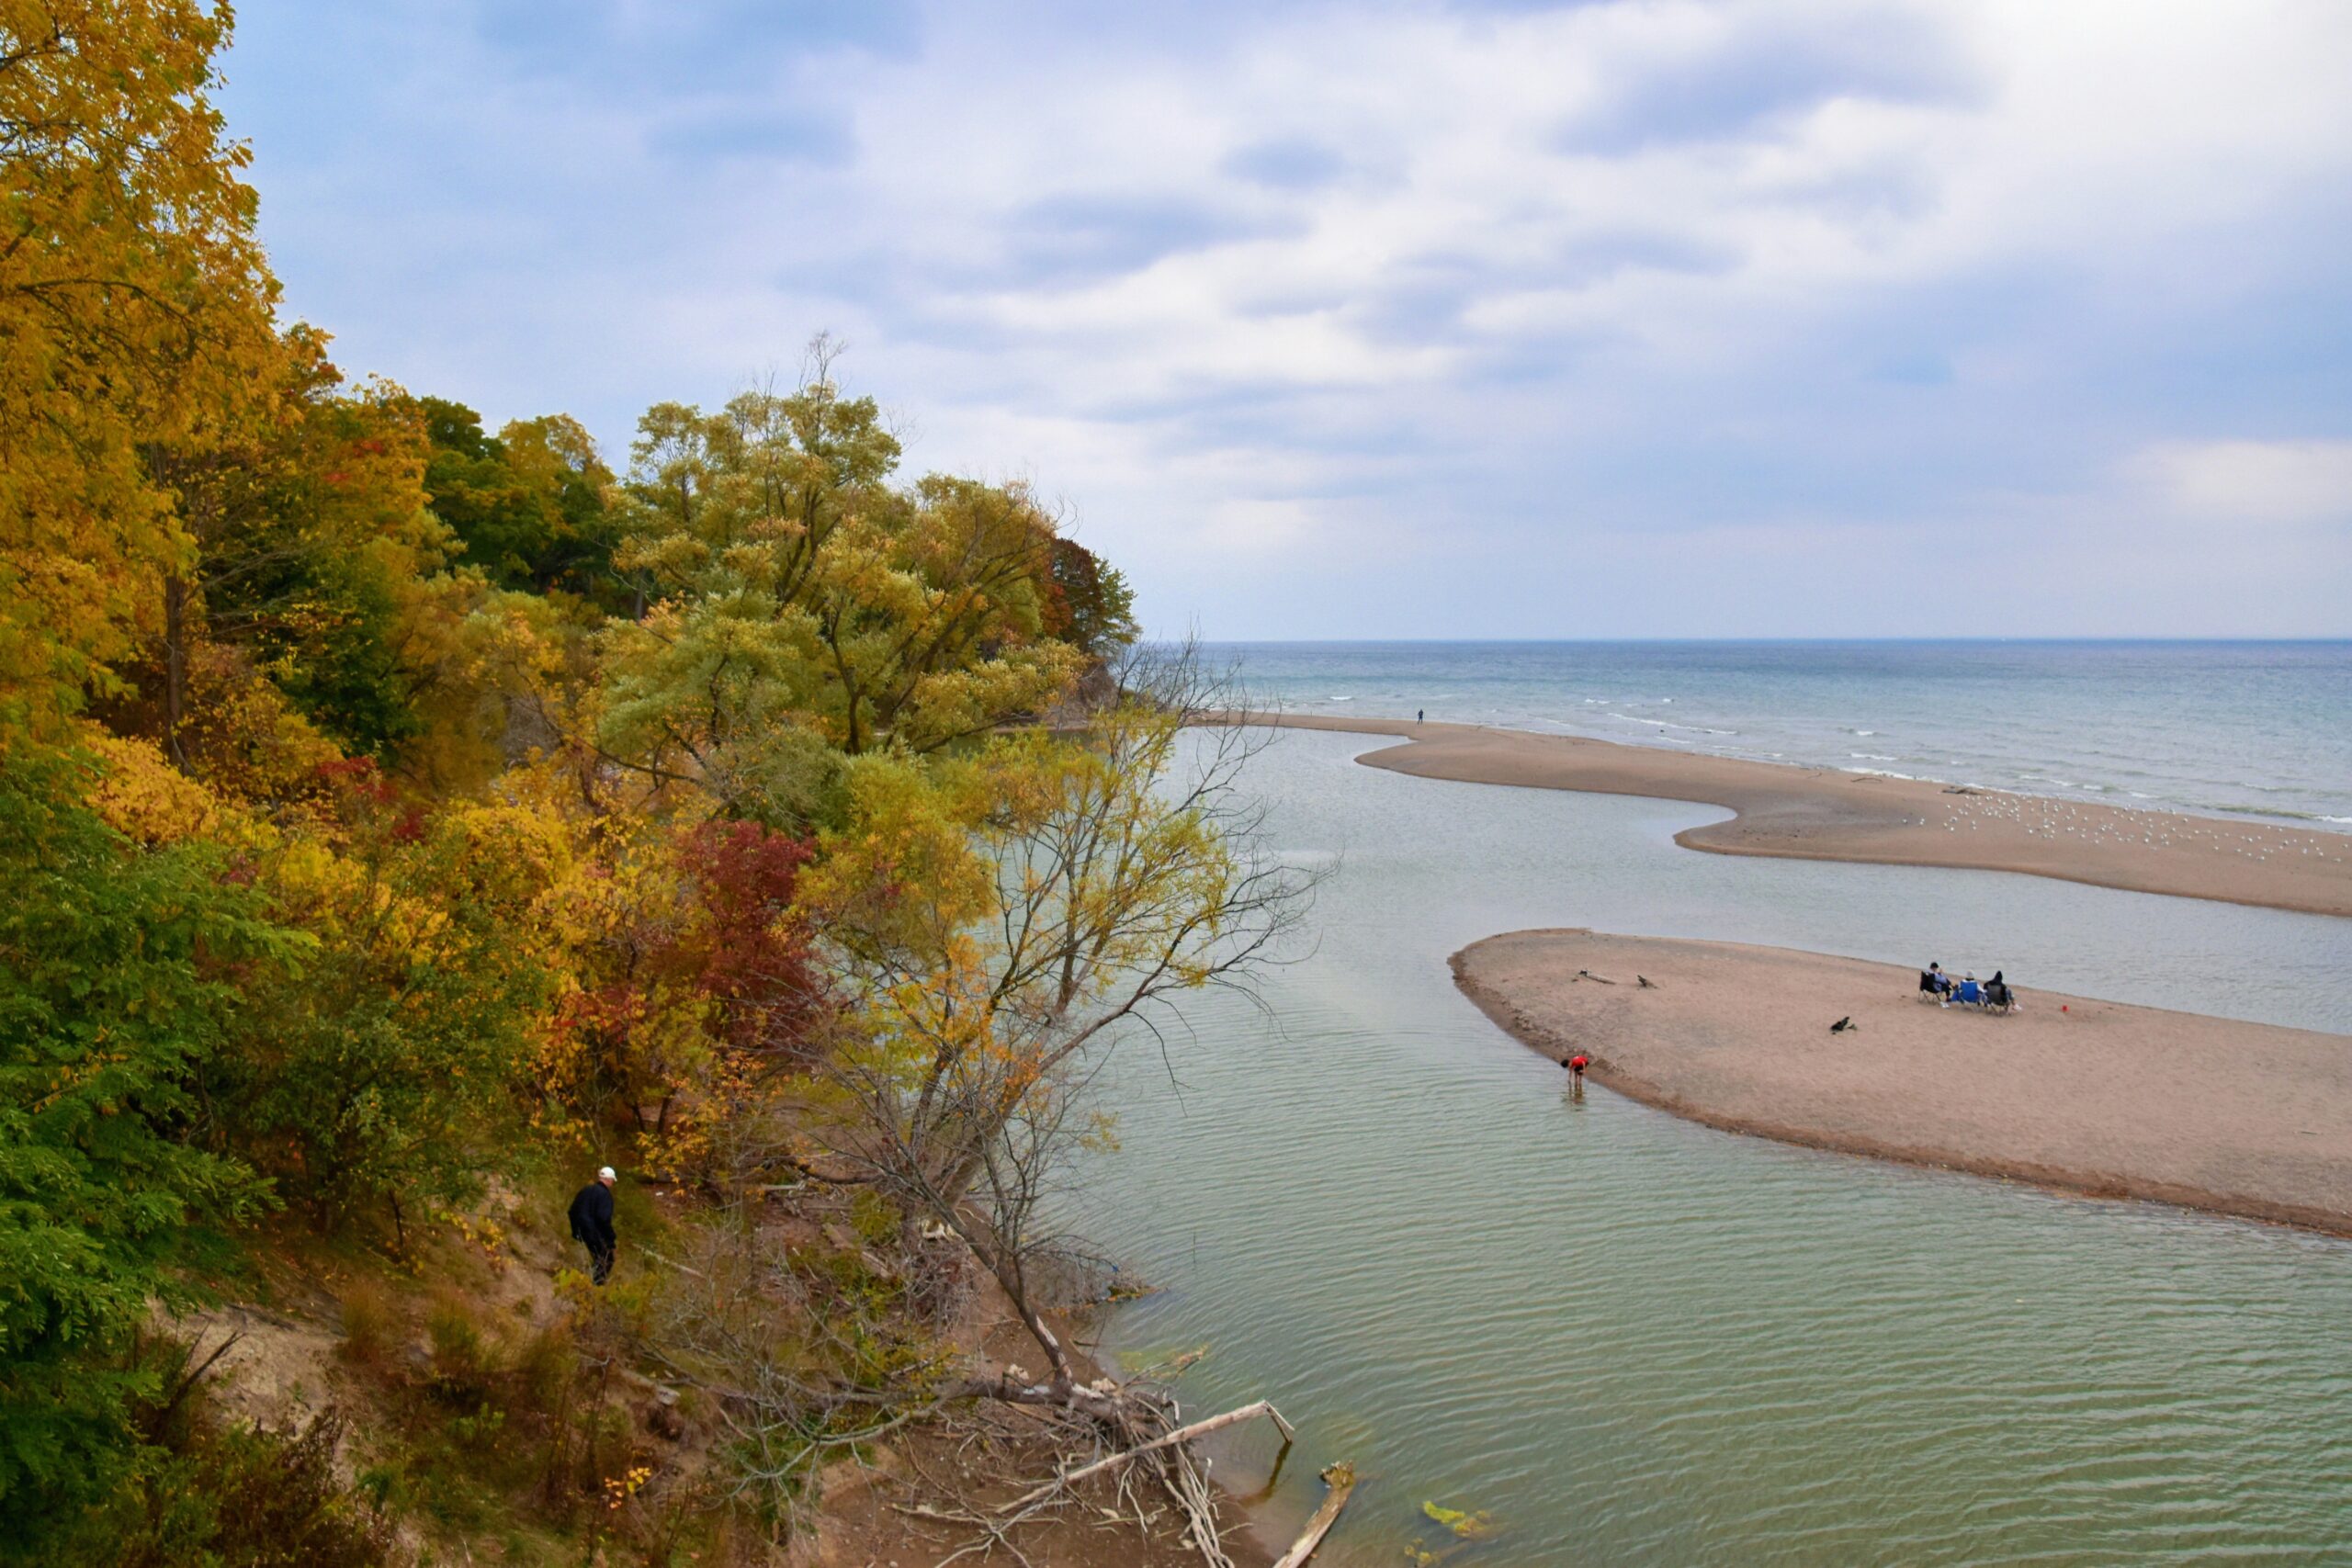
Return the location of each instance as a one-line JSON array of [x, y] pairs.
[[1842, 1025]]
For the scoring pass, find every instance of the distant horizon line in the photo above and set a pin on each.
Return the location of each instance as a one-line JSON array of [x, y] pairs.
[[1594, 641]]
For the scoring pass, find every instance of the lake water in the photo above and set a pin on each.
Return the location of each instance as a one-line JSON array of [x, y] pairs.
[[2252, 728], [1636, 1340]]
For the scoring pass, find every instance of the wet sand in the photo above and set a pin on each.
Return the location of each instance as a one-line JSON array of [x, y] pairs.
[[2100, 1098], [1827, 814]]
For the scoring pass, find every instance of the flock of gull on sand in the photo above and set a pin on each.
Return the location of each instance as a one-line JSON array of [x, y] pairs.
[[2046, 819]]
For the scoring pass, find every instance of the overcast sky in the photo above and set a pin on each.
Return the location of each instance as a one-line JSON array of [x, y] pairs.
[[1785, 318]]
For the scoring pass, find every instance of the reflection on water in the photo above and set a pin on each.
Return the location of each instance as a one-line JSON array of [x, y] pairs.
[[1637, 1340]]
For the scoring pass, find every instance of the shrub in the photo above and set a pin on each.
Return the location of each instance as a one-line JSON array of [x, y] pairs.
[[380, 1081], [546, 1366], [241, 1496], [370, 1323], [464, 1364], [115, 985], [874, 1217]]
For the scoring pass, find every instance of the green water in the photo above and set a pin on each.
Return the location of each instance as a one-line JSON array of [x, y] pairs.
[[1634, 1340]]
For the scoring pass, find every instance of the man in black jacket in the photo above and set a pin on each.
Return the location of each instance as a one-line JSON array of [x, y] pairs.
[[591, 1222]]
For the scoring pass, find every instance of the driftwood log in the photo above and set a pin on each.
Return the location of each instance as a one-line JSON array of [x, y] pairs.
[[1168, 1440], [1341, 1480]]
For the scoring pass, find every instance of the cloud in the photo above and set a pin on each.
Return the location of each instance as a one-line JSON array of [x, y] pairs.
[[1727, 73], [1065, 238], [1444, 291], [2251, 481]]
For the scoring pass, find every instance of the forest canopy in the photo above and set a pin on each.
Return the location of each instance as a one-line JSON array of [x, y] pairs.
[[388, 803]]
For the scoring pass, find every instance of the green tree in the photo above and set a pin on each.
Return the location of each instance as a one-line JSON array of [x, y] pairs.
[[302, 537], [528, 504], [386, 1071], [802, 598], [1092, 606], [119, 969]]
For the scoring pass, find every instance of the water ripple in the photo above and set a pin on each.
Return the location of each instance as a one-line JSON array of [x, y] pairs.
[[1639, 1341]]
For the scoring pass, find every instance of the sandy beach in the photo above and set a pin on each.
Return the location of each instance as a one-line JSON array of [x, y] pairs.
[[1829, 814], [2092, 1096]]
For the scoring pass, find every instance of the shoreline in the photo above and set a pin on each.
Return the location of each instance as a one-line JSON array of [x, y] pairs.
[[1790, 811], [2103, 1100]]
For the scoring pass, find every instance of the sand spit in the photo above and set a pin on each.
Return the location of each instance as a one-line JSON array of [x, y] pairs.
[[1829, 813], [2100, 1098]]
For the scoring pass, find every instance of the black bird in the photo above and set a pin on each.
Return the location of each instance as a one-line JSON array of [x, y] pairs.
[[1842, 1025], [1647, 984]]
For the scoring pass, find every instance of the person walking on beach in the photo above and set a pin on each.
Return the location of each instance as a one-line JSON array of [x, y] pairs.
[[591, 1223], [1421, 716]]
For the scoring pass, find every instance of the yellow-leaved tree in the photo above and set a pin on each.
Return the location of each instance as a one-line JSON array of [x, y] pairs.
[[797, 600], [997, 923], [135, 309]]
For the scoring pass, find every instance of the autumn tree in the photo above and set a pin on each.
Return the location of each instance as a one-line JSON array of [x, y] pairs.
[[998, 924], [795, 595], [1091, 606], [377, 791], [301, 539], [134, 310], [693, 979], [386, 1069]]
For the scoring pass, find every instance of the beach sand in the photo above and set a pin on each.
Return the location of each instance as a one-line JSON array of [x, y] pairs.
[[2100, 1098], [1829, 813]]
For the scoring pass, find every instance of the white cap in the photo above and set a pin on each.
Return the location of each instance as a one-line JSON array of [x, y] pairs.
[[607, 1174]]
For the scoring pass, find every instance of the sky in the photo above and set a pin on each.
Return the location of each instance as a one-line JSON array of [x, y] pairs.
[[1631, 317]]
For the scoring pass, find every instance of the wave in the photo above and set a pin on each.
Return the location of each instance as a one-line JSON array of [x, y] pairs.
[[1666, 724], [2116, 777], [2275, 811]]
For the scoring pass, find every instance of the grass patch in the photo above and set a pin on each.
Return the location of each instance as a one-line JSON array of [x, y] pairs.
[[371, 1322]]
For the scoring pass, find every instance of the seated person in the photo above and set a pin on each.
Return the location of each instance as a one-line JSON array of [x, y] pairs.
[[1934, 982], [1997, 993], [1971, 992]]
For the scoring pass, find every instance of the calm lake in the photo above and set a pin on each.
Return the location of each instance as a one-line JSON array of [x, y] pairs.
[[1636, 1340]]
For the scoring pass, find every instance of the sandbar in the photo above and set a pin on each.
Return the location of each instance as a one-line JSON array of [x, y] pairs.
[[1807, 813], [2094, 1097]]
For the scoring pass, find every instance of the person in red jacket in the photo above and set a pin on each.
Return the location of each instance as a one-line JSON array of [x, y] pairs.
[[1576, 1065]]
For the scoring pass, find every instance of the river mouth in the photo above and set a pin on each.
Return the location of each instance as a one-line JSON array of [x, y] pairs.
[[1632, 1340]]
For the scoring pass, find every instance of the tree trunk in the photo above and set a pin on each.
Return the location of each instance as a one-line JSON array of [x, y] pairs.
[[174, 667]]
